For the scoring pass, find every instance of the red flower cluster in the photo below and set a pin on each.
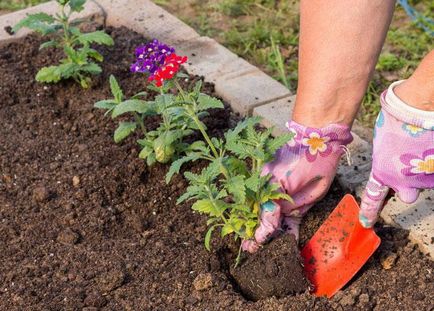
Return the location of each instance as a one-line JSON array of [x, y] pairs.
[[171, 66]]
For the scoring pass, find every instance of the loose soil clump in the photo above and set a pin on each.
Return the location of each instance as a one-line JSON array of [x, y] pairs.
[[116, 240], [275, 270]]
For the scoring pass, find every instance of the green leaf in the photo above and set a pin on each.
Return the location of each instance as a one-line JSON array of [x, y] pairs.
[[105, 104], [130, 105], [116, 89], [203, 206], [279, 141], [235, 186], [77, 5], [145, 152], [213, 208], [253, 182], [48, 44], [208, 238], [124, 129], [99, 37], [50, 74], [54, 74], [176, 165], [39, 22], [91, 68], [226, 229], [206, 102], [95, 55], [140, 94]]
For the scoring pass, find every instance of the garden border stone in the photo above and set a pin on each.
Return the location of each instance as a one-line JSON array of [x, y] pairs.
[[246, 88]]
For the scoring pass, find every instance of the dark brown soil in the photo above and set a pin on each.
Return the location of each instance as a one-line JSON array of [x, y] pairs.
[[275, 270], [85, 225]]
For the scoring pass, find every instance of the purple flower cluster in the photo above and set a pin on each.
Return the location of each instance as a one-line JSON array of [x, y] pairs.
[[151, 56]]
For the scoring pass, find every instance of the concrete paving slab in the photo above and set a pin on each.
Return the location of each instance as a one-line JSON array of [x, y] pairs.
[[209, 59], [417, 217], [147, 18], [276, 114], [11, 19], [250, 90]]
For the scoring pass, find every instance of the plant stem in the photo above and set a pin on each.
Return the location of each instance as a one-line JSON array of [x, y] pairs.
[[140, 121], [193, 116], [237, 260]]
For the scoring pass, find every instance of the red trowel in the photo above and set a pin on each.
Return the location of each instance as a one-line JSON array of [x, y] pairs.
[[339, 248]]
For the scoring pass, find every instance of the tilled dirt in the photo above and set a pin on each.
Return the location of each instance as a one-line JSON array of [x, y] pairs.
[[274, 270], [85, 225]]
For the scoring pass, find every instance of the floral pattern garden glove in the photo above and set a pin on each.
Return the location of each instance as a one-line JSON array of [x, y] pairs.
[[304, 168], [403, 155]]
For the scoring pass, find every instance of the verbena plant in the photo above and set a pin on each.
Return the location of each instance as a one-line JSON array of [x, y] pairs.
[[231, 189], [179, 113], [79, 61]]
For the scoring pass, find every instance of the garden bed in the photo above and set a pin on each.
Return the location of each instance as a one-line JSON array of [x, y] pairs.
[[85, 223]]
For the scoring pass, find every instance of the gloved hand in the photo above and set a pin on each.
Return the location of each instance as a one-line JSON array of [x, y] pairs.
[[403, 155], [304, 168]]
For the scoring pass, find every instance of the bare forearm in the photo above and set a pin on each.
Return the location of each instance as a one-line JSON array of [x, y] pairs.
[[340, 41]]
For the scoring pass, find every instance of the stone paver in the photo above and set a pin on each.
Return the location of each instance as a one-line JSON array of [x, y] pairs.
[[11, 19], [147, 18], [276, 114], [211, 60], [250, 90], [417, 217]]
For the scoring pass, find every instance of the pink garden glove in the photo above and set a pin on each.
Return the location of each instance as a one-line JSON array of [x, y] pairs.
[[304, 168], [403, 155]]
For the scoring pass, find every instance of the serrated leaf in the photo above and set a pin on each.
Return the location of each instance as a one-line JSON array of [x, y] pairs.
[[253, 182], [48, 44], [206, 102], [235, 186], [176, 165], [77, 5], [50, 74], [98, 37], [54, 74], [124, 130], [275, 143], [204, 206], [95, 55], [39, 22], [91, 68], [116, 89], [130, 105]]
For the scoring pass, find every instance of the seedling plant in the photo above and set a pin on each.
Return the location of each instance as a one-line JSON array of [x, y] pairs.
[[230, 190], [79, 62]]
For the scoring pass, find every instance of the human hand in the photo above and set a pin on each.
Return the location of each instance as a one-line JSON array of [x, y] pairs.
[[304, 168], [403, 156]]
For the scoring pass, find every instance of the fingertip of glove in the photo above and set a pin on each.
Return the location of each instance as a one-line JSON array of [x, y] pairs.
[[365, 221]]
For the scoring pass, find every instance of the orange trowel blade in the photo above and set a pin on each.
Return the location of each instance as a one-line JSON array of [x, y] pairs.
[[339, 248]]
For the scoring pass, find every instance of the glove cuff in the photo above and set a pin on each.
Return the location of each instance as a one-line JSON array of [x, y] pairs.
[[393, 105]]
